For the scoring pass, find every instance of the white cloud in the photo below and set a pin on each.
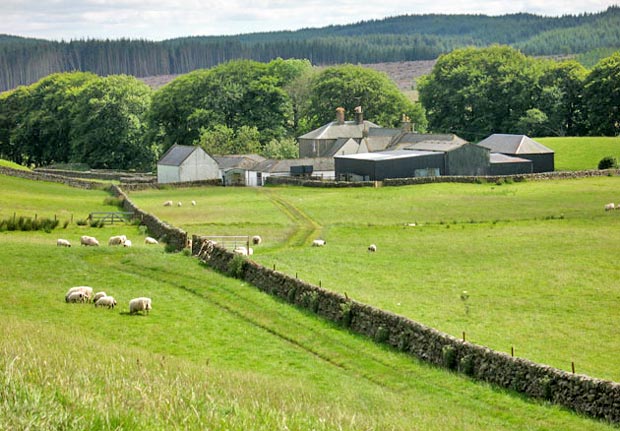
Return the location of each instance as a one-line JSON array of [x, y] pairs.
[[162, 19]]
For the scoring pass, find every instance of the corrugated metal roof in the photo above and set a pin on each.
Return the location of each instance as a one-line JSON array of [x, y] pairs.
[[440, 146], [387, 155], [503, 158], [333, 130], [284, 166], [176, 155], [513, 144], [243, 161]]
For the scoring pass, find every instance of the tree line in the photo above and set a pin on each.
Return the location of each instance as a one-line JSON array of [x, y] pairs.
[[403, 38], [237, 107]]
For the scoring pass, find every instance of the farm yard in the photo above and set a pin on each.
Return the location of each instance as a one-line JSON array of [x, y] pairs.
[[537, 260]]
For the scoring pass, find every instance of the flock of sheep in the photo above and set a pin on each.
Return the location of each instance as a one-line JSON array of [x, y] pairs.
[[114, 240], [610, 206], [84, 294], [179, 204], [321, 242]]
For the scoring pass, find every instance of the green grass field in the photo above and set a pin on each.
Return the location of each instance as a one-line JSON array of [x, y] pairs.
[[214, 353], [580, 153], [538, 259]]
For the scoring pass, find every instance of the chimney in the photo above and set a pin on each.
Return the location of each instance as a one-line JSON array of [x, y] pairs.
[[405, 123], [359, 115], [340, 115]]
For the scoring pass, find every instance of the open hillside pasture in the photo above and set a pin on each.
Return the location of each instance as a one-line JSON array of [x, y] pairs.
[[214, 353], [580, 153], [538, 259]]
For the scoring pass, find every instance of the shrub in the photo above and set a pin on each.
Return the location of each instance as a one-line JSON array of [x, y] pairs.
[[448, 354], [345, 314], [236, 266], [114, 201], [466, 365], [311, 301], [608, 162], [382, 334]]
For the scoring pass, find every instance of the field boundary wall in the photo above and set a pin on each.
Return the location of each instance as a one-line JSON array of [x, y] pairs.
[[175, 238], [53, 178], [586, 395]]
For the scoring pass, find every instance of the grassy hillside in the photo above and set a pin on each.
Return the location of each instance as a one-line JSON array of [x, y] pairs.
[[578, 153], [213, 354], [538, 259]]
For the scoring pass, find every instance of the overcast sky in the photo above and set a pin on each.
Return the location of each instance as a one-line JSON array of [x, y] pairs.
[[165, 19]]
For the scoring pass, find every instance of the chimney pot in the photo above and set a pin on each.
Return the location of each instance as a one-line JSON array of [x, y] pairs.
[[340, 115]]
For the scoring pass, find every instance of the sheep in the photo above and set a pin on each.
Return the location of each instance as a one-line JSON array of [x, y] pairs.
[[106, 301], [89, 241], [318, 243], [372, 248], [98, 295], [140, 304], [63, 243], [256, 240], [75, 297], [150, 240], [127, 243], [86, 290], [610, 206], [179, 204], [193, 203], [168, 203], [243, 251], [117, 240]]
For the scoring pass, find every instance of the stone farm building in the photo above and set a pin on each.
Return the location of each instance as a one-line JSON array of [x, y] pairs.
[[238, 169], [182, 163]]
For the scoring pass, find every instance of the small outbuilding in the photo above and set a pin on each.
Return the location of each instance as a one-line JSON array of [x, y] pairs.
[[501, 164], [183, 163], [238, 169], [380, 165], [522, 147]]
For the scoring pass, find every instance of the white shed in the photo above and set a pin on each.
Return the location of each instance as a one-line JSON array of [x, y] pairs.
[[182, 163]]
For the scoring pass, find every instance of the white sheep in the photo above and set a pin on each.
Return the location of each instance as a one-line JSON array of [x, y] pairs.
[[98, 295], [193, 203], [150, 240], [256, 240], [106, 301], [127, 243], [75, 297], [318, 243], [89, 241], [610, 206], [87, 291], [168, 203], [243, 251], [117, 240], [179, 204], [140, 304], [372, 248], [63, 243]]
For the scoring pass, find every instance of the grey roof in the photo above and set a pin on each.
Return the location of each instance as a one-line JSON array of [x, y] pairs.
[[176, 155], [412, 138], [513, 144], [380, 138], [387, 155], [337, 146], [334, 130], [497, 158], [243, 161], [440, 146], [284, 166]]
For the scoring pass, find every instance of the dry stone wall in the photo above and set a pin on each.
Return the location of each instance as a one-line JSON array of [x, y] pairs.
[[594, 397], [175, 238], [53, 178]]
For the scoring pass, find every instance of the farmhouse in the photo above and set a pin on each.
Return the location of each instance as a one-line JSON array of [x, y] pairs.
[[182, 163], [522, 147]]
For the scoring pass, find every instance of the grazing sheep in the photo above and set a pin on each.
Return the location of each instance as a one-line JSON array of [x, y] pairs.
[[117, 240], [127, 243], [106, 301], [89, 241], [149, 240], [87, 291], [168, 203], [318, 243], [140, 304], [193, 203], [256, 240], [243, 251], [372, 248], [74, 297], [63, 243], [610, 206], [179, 204], [99, 295]]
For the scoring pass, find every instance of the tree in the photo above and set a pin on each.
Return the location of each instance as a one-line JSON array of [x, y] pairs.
[[221, 140], [349, 86], [602, 95], [286, 148], [110, 122]]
